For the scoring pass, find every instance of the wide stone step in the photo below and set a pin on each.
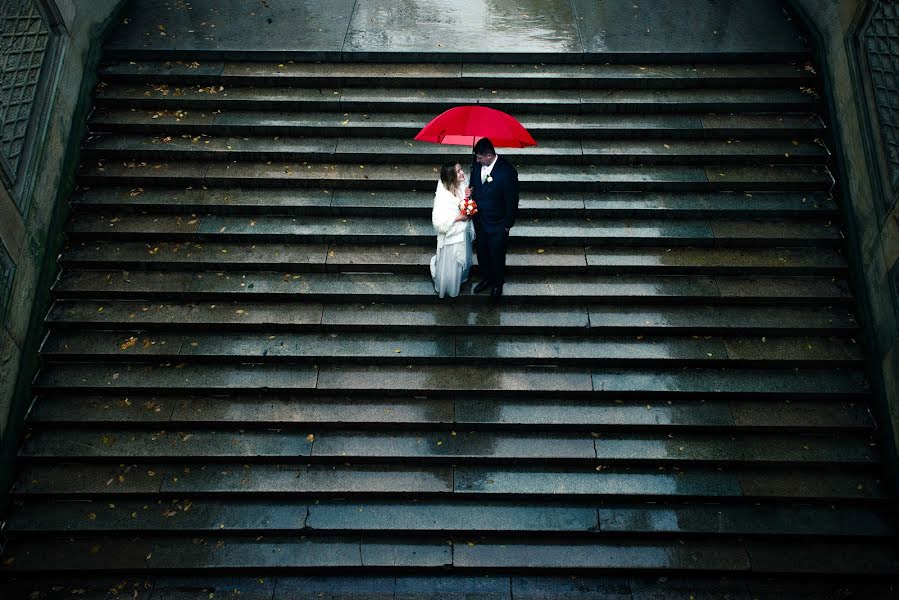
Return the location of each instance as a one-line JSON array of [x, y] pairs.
[[467, 447], [501, 587], [206, 515], [350, 378], [792, 98], [336, 555], [388, 231], [586, 319], [467, 413], [393, 149], [405, 348], [338, 202], [409, 258], [381, 287], [306, 74], [543, 126], [372, 177], [855, 483]]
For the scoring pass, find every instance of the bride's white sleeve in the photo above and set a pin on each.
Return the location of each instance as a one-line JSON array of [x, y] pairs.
[[444, 214]]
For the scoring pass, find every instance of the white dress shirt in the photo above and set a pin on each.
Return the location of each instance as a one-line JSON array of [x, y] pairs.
[[485, 171]]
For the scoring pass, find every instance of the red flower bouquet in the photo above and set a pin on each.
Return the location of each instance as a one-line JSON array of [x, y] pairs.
[[468, 207]]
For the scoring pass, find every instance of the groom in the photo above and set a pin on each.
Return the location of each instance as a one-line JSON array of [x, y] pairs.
[[495, 190]]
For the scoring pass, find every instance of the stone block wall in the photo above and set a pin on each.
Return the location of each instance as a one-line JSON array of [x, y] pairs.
[[858, 45], [49, 52]]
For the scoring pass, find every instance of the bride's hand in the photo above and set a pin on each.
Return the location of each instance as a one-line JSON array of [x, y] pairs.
[[468, 192]]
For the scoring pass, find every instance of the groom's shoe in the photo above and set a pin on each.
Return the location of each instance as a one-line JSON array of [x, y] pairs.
[[497, 292], [480, 287]]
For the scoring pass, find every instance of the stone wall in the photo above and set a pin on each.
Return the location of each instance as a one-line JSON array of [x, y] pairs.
[[51, 65], [863, 139]]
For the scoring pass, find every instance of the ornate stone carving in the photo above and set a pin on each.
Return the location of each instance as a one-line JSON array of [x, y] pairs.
[[880, 36], [24, 37]]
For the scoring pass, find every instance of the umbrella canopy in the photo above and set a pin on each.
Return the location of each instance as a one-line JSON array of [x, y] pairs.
[[465, 125]]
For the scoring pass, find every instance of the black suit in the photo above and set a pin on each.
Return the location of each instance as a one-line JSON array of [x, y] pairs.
[[497, 202]]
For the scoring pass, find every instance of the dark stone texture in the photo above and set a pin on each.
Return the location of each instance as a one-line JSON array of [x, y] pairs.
[[695, 482], [269, 552], [80, 479], [451, 378], [75, 556], [511, 554], [291, 479], [176, 377], [745, 520], [434, 445], [316, 409], [212, 26], [686, 27], [149, 516], [335, 588], [406, 552], [556, 411], [453, 587], [190, 588], [451, 516]]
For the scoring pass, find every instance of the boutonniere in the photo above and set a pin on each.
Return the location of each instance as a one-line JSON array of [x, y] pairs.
[[490, 179]]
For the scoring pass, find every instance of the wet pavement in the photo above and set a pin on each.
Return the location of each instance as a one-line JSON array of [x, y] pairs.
[[315, 29]]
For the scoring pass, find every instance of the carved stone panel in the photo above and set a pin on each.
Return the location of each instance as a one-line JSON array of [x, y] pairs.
[[880, 38], [24, 38]]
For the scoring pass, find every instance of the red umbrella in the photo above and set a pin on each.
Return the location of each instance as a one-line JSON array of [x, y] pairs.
[[465, 125]]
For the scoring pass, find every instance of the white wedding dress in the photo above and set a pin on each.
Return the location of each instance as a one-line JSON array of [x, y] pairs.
[[452, 263]]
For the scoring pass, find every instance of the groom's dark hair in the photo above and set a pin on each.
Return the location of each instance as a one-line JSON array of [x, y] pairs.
[[484, 146]]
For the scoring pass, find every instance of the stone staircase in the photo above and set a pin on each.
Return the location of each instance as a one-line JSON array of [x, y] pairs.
[[247, 370]]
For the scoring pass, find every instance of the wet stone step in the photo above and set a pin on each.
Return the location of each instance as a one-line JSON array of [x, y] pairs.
[[231, 479], [841, 557], [384, 230], [379, 287], [297, 316], [684, 382], [334, 97], [705, 319], [419, 203], [225, 553], [154, 515], [796, 482], [388, 149], [276, 410], [607, 554], [682, 413], [371, 177], [545, 126], [175, 377], [255, 446], [468, 412], [409, 258], [748, 520], [760, 261], [793, 482], [403, 74]]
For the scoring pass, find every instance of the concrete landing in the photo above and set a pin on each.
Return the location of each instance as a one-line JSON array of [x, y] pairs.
[[406, 29]]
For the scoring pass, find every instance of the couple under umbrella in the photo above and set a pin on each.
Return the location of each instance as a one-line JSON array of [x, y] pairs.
[[492, 185]]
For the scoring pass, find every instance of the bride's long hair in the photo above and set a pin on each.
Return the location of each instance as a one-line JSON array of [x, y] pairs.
[[448, 177]]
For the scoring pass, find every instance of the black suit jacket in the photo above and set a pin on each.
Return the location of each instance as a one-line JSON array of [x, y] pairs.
[[497, 200]]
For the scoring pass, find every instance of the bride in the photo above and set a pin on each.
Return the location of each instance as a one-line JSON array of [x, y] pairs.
[[451, 264]]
